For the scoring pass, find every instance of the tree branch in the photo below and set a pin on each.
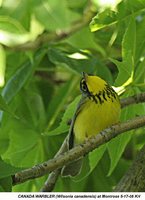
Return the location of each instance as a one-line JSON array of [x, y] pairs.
[[138, 98], [134, 179], [53, 176], [78, 151], [58, 35]]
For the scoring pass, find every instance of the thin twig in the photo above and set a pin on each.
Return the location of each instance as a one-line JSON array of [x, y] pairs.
[[78, 151], [46, 38], [53, 176], [51, 181]]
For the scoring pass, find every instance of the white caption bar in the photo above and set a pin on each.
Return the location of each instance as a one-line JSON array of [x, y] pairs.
[[73, 195]]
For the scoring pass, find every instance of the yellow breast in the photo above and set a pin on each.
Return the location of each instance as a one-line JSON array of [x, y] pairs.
[[94, 117]]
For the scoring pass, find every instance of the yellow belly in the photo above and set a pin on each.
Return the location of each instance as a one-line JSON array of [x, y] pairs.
[[93, 118]]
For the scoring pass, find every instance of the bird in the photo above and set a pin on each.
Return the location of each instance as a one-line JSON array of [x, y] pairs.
[[99, 108]]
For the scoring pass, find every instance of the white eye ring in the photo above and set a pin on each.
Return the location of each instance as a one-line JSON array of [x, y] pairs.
[[83, 86]]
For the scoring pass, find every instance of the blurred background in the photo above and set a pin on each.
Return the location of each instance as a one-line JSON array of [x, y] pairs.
[[45, 45]]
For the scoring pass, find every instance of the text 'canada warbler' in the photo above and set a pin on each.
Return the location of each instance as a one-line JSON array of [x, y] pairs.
[[98, 109]]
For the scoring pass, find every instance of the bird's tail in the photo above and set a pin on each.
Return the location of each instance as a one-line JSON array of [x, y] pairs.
[[73, 168]]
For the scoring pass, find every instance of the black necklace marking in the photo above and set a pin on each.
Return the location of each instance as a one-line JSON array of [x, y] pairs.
[[101, 96], [104, 97], [110, 92], [91, 96]]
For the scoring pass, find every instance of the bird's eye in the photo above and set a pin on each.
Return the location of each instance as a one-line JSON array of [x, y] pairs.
[[83, 86]]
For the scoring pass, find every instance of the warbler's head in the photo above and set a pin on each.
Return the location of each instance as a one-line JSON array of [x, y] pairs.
[[91, 85]]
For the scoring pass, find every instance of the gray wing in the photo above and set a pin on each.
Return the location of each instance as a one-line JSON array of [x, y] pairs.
[[74, 168], [71, 133]]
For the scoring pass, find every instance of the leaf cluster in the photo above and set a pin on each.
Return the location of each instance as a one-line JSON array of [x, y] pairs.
[[40, 86]]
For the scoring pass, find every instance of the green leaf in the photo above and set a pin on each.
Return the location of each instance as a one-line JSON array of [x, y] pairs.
[[116, 148], [140, 40], [63, 126], [12, 33], [7, 169], [11, 25], [81, 43], [24, 146], [122, 167], [140, 72], [124, 10], [4, 106], [124, 72], [56, 18], [95, 156], [6, 184], [98, 181], [17, 81], [2, 66], [103, 19], [78, 62], [4, 143], [126, 67], [93, 159], [129, 43], [32, 108], [57, 102]]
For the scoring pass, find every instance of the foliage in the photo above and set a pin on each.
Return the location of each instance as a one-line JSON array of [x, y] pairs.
[[44, 47]]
